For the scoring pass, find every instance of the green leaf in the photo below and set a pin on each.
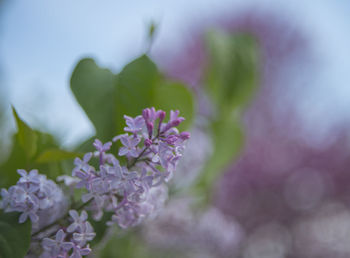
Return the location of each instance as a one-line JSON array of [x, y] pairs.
[[228, 139], [135, 89], [231, 79], [55, 155], [100, 227], [27, 137], [175, 95], [86, 146], [125, 244], [106, 98], [45, 141], [14, 237], [94, 89], [51, 161], [232, 73], [17, 159]]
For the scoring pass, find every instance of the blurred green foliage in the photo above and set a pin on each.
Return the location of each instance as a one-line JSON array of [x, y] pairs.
[[230, 80], [107, 97], [139, 85], [32, 149], [232, 72], [231, 77], [26, 137], [93, 88], [14, 237]]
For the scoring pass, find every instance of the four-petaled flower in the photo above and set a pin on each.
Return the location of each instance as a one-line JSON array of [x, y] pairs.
[[129, 148], [78, 251], [78, 221], [102, 147], [27, 178], [134, 125], [82, 164], [58, 245], [87, 234]]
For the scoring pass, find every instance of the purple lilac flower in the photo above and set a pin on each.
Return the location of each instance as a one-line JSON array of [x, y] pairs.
[[34, 196], [132, 192], [150, 115], [28, 178], [83, 164], [129, 148], [86, 234], [174, 121], [5, 198], [78, 221], [134, 125], [68, 180], [78, 251], [29, 210], [126, 216], [102, 147], [57, 246], [152, 148], [86, 178], [71, 245]]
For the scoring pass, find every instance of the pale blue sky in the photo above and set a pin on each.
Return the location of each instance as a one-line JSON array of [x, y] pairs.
[[42, 40]]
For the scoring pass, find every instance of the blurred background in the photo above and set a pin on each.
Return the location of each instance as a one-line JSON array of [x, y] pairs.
[[277, 181]]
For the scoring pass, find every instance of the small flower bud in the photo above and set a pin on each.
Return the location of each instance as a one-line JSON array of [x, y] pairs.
[[150, 129], [161, 115], [146, 114], [185, 135], [148, 142]]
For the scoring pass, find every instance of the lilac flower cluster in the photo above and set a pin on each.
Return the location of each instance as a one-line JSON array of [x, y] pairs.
[[132, 188], [71, 242], [152, 149], [35, 197]]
